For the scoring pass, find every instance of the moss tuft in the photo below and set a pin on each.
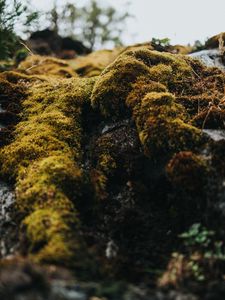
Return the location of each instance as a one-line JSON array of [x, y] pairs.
[[52, 236], [166, 95], [187, 171], [44, 158]]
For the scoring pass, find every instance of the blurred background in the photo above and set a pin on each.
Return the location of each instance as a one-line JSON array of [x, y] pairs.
[[88, 25], [181, 21]]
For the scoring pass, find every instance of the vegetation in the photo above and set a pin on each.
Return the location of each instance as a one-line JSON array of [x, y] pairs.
[[12, 13], [93, 24], [116, 168]]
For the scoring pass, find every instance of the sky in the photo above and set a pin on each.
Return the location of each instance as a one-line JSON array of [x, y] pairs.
[[183, 21]]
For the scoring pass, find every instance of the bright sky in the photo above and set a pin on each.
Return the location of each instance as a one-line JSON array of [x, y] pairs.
[[183, 21]]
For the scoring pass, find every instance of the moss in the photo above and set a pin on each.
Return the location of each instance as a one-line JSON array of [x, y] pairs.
[[165, 94], [213, 42], [39, 65], [161, 125], [99, 182], [140, 88], [45, 159], [17, 77], [104, 153], [114, 84], [187, 171], [10, 90], [47, 181], [52, 236], [200, 267], [94, 63]]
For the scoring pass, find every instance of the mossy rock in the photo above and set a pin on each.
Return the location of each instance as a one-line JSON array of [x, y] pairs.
[[213, 42], [44, 158], [128, 141], [53, 237], [151, 86]]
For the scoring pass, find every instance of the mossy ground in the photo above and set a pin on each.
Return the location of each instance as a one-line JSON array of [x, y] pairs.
[[116, 159]]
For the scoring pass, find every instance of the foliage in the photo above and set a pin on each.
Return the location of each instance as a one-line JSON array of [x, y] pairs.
[[197, 235], [201, 239], [160, 42], [12, 14], [198, 46], [93, 24]]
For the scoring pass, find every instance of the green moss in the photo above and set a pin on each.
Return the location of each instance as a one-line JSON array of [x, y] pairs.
[[140, 88], [165, 94], [16, 77], [52, 236], [104, 156], [161, 125], [114, 84], [47, 181], [99, 182], [45, 159]]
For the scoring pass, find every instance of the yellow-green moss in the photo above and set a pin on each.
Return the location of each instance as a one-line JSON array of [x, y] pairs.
[[164, 93], [39, 65], [47, 181], [9, 90], [161, 126], [99, 183], [105, 166], [213, 42], [52, 236], [94, 63], [115, 82], [45, 159]]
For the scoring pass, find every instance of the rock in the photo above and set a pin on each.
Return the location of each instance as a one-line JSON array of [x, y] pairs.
[[47, 42], [211, 58], [214, 42]]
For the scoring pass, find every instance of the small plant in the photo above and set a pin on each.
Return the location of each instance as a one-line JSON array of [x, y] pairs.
[[94, 24], [197, 236], [12, 14], [198, 46], [160, 42], [204, 251]]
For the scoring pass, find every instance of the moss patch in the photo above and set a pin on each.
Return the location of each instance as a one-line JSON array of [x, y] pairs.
[[161, 91], [44, 159]]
